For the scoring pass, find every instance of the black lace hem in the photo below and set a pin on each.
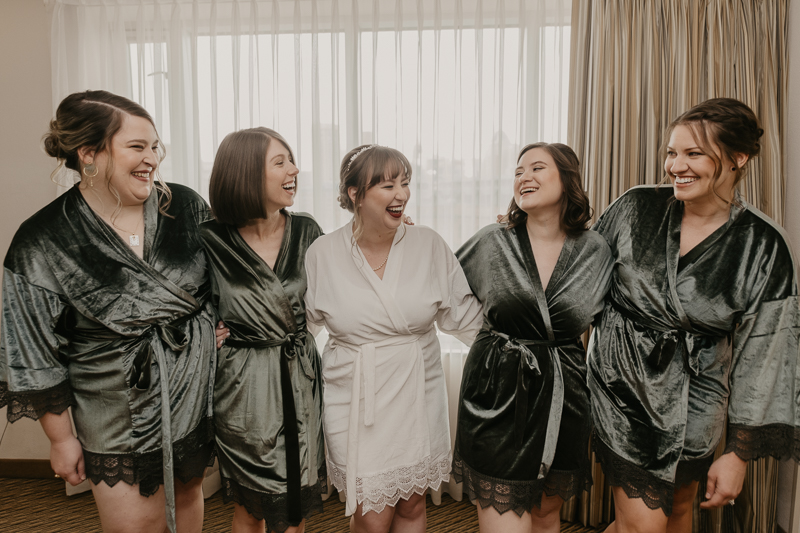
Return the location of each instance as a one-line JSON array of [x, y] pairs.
[[780, 441], [519, 496], [272, 507], [191, 455], [35, 404], [639, 483]]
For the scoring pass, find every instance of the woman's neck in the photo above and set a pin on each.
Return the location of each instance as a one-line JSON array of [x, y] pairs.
[[373, 238], [708, 209], [263, 228], [545, 226]]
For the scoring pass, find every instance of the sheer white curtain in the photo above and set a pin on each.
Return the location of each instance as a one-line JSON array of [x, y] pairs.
[[457, 86]]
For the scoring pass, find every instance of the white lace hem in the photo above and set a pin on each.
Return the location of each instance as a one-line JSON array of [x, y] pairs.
[[376, 491]]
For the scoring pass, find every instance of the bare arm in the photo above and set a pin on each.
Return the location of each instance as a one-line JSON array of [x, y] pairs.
[[66, 453]]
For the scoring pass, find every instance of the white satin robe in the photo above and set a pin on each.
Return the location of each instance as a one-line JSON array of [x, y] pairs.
[[387, 433]]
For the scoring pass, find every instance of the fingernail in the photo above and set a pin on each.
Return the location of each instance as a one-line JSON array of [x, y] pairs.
[[708, 496]]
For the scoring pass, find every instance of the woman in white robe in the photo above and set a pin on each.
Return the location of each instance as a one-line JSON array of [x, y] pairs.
[[378, 287]]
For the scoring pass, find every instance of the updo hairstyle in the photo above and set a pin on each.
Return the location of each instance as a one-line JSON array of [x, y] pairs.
[[91, 119], [575, 209], [364, 167], [725, 122]]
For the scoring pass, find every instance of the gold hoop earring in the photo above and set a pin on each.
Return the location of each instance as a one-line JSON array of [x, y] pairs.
[[90, 170]]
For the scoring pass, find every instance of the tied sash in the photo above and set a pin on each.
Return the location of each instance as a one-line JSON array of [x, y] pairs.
[[529, 352], [292, 346], [364, 370]]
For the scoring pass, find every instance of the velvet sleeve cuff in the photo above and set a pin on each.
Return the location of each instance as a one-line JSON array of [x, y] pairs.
[[34, 404]]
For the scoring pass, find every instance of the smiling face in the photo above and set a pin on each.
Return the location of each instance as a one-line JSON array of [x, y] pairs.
[[130, 161], [281, 176], [384, 203], [537, 182], [692, 170]]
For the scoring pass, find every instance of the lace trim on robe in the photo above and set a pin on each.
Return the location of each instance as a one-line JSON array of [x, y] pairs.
[[272, 507], [192, 454], [781, 441], [377, 491], [34, 404], [519, 496], [639, 483]]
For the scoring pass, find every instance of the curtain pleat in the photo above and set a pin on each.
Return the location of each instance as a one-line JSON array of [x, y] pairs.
[[634, 67]]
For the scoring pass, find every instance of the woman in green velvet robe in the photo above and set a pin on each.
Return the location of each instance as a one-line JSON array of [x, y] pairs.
[[268, 392], [699, 333], [106, 309], [523, 416]]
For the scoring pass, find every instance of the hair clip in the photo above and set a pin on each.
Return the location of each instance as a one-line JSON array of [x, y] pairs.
[[355, 155]]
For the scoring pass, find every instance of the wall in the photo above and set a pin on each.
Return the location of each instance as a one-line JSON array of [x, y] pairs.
[[26, 108], [787, 520]]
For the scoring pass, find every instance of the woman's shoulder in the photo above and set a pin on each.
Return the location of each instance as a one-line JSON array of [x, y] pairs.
[[771, 237], [303, 220]]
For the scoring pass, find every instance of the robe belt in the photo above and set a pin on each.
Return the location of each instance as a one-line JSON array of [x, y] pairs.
[[150, 346], [528, 361], [292, 345], [364, 367], [669, 341], [172, 335]]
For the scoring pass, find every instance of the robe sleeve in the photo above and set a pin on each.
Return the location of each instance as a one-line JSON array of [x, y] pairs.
[[33, 377], [460, 313], [764, 408], [314, 318]]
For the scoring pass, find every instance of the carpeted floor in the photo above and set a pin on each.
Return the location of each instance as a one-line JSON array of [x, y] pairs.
[[40, 505]]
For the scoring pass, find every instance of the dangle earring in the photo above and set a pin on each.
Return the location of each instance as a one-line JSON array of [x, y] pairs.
[[90, 171]]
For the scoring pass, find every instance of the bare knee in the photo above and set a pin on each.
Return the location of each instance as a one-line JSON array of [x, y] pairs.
[[189, 492], [411, 509], [548, 509]]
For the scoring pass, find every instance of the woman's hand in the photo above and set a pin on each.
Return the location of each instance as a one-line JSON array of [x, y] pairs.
[[725, 479], [222, 333], [66, 459]]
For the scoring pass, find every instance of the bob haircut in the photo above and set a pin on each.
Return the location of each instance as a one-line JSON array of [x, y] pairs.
[[575, 210], [90, 119], [238, 189], [725, 122], [364, 167]]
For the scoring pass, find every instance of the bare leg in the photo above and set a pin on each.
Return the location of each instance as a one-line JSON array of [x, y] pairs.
[[372, 522], [189, 505], [680, 521], [547, 517], [490, 521], [409, 516], [123, 510], [633, 516]]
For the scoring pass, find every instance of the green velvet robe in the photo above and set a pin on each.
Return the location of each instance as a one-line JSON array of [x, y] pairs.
[[88, 324], [269, 343], [689, 345], [523, 414]]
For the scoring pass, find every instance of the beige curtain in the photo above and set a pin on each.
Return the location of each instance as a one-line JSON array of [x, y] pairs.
[[637, 65]]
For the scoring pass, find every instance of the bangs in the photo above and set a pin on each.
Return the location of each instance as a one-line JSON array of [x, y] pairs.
[[387, 164]]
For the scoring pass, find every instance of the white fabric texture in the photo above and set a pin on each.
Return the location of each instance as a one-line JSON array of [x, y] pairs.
[[386, 413]]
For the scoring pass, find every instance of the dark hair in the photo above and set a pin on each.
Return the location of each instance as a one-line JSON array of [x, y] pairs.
[[91, 119], [364, 167], [237, 191], [728, 123], [575, 210]]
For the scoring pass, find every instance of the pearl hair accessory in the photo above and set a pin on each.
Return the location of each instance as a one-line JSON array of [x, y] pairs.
[[355, 155]]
